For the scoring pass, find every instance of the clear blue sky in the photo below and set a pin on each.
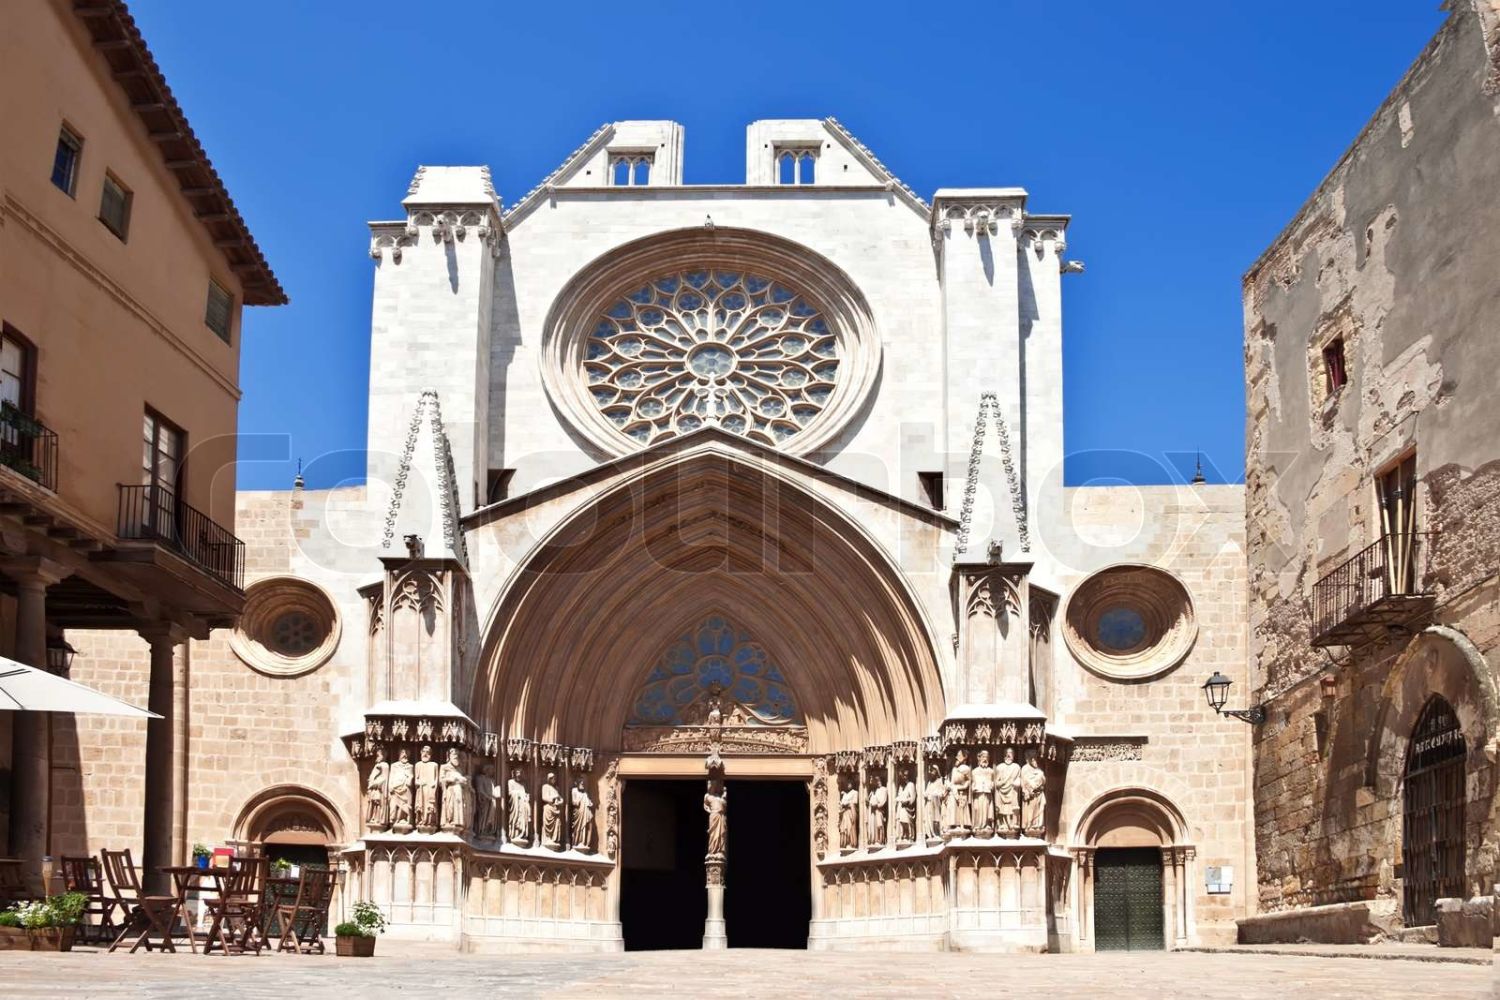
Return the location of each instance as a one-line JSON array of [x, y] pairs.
[[1181, 136]]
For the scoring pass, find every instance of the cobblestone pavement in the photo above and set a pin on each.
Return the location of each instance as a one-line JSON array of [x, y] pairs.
[[426, 973]]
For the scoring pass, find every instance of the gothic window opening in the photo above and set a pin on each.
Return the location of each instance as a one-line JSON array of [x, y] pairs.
[[723, 347], [796, 165], [1432, 813], [630, 169]]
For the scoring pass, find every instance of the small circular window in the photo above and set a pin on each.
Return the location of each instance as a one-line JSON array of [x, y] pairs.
[[1130, 622], [288, 627]]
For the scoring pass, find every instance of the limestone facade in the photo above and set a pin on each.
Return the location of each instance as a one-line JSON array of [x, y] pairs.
[[755, 485], [1369, 328]]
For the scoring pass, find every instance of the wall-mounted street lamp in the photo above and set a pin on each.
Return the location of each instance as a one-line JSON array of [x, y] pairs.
[[60, 656], [1216, 690]]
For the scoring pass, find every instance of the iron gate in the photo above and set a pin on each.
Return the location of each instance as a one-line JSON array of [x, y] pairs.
[[1432, 829], [1127, 899]]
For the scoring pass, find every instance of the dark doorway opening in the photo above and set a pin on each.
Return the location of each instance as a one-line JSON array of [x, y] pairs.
[[1127, 899], [663, 840], [768, 875], [1432, 829]]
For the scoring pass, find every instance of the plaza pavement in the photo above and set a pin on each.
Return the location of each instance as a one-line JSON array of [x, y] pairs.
[[422, 971]]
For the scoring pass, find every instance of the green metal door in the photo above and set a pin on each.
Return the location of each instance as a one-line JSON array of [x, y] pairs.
[[1127, 899]]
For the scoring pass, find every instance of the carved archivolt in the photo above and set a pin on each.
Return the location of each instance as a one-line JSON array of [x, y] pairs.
[[1130, 622], [289, 627]]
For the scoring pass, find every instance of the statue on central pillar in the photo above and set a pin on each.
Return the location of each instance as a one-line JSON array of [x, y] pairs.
[[716, 804], [1007, 794], [377, 814], [876, 813], [983, 777], [552, 809], [518, 808], [427, 792], [400, 793], [960, 782]]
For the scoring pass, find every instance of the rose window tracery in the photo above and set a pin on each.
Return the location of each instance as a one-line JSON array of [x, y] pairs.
[[712, 346], [715, 665]]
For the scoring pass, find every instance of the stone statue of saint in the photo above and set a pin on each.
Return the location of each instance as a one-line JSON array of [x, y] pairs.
[[960, 782], [552, 810], [486, 805], [377, 813], [455, 794], [937, 802], [583, 818], [906, 809], [716, 804], [875, 815], [1033, 797], [400, 793], [982, 800], [1007, 790], [849, 817], [427, 792], [518, 812]]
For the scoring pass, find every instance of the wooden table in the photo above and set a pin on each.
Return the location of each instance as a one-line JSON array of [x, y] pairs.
[[186, 878]]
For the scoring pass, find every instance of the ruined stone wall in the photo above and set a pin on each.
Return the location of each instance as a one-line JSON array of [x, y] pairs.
[[1395, 253]]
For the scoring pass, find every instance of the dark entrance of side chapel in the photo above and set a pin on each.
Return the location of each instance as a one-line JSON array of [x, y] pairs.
[[1432, 814], [767, 873], [1128, 899]]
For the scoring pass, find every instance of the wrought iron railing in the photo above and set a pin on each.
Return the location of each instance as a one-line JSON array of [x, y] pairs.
[[28, 446], [154, 513], [1395, 567]]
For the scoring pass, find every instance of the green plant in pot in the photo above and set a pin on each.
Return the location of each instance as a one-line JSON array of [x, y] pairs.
[[356, 938], [201, 855], [45, 925], [281, 867]]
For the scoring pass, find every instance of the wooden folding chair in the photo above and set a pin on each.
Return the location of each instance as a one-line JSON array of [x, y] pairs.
[[304, 919], [238, 912], [86, 876], [148, 913]]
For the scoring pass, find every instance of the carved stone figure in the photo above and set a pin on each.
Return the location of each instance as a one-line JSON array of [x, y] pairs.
[[552, 810], [937, 802], [849, 817], [875, 815], [455, 794], [400, 793], [716, 804], [1007, 790], [518, 812], [906, 809], [486, 803], [1033, 797], [427, 792], [960, 786], [583, 818], [982, 799], [377, 810], [612, 808]]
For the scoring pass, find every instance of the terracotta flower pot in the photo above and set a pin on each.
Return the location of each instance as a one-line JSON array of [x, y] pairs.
[[40, 939], [354, 946]]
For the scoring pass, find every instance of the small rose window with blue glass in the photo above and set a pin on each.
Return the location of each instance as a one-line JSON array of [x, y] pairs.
[[715, 664]]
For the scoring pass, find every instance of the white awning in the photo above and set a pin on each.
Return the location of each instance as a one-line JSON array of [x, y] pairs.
[[27, 689]]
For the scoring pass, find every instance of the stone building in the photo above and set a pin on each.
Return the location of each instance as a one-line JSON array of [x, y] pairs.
[[715, 582], [1374, 525], [124, 266]]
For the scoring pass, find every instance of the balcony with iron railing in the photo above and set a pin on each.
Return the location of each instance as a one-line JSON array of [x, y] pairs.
[[154, 513], [27, 446], [1379, 590]]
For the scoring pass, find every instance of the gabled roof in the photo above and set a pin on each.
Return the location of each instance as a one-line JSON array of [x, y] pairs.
[[709, 435], [872, 162], [119, 41]]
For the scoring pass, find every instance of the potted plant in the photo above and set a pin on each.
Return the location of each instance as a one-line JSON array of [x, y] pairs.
[[356, 938], [45, 925], [281, 868], [201, 854]]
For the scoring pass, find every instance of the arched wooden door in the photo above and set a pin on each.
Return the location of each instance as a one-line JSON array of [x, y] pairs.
[[1432, 831]]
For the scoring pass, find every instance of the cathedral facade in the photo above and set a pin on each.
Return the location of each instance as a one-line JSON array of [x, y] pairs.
[[715, 582]]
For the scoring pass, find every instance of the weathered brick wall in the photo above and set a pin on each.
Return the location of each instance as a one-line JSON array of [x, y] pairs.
[[1394, 254]]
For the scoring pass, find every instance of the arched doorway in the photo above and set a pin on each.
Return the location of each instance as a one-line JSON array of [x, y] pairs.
[[1135, 890], [1432, 813], [290, 822]]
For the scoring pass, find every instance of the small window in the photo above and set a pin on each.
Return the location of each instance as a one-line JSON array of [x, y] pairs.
[[932, 488], [114, 207], [620, 172], [17, 370], [65, 161], [786, 169], [220, 310], [498, 487], [796, 166], [630, 169], [1334, 371]]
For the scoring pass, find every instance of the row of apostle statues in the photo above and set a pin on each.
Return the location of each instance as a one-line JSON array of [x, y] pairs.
[[402, 797], [979, 800]]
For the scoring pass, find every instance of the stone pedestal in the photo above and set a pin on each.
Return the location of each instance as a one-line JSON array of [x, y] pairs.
[[714, 936]]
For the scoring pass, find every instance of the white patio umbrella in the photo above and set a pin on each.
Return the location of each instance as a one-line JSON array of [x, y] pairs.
[[27, 689]]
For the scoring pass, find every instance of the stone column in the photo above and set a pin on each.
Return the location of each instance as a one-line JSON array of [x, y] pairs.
[[715, 937], [157, 822], [31, 757], [1169, 897], [1085, 898]]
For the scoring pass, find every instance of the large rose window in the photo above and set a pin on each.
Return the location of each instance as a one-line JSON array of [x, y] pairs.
[[700, 347]]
